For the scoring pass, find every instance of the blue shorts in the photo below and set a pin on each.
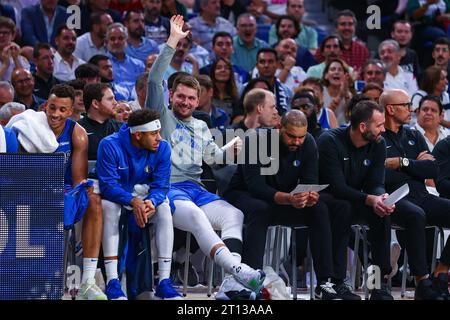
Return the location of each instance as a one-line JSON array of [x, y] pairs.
[[190, 191]]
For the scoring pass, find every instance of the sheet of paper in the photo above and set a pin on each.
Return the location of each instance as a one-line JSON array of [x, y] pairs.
[[397, 195], [230, 144], [308, 188]]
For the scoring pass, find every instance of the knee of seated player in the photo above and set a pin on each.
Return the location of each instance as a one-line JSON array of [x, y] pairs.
[[94, 209]]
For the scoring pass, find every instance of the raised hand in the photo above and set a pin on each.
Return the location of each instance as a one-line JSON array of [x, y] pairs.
[[176, 31]]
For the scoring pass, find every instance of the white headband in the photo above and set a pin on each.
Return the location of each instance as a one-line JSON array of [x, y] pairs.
[[146, 127]]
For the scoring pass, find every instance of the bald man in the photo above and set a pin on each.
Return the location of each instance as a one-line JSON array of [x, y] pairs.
[[409, 161], [23, 83]]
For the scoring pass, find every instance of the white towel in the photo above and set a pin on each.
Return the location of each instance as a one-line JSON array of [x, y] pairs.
[[33, 132], [2, 140]]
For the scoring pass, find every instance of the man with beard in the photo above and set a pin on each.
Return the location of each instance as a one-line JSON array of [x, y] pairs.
[[43, 77], [402, 33], [106, 76], [396, 77], [157, 27], [351, 161], [409, 161], [441, 56], [306, 102], [124, 68], [331, 48], [96, 6], [374, 71], [65, 62], [139, 46], [93, 42], [288, 73], [266, 199]]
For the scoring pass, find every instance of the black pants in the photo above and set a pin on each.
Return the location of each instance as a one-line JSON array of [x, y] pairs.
[[437, 211], [259, 215], [413, 219], [379, 235]]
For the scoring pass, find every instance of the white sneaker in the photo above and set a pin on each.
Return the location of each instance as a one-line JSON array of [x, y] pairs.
[[231, 289], [395, 254], [90, 291], [249, 277]]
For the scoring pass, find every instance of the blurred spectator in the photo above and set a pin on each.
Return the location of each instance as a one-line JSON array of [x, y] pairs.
[[402, 33], [170, 8], [219, 118], [223, 48], [182, 60], [123, 6], [266, 65], [40, 22], [441, 56], [64, 60], [99, 6], [374, 71], [141, 92], [10, 58], [245, 43], [157, 27], [8, 110], [288, 73], [6, 92], [232, 9], [434, 83], [373, 91], [88, 73], [199, 53], [253, 83], [331, 48], [23, 83], [307, 37], [78, 105], [106, 76], [429, 116], [225, 93], [338, 88], [208, 23], [122, 110], [43, 77], [306, 102], [139, 46], [396, 77], [8, 12], [125, 68], [93, 42]]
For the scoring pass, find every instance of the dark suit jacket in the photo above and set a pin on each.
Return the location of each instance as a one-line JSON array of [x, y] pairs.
[[33, 25]]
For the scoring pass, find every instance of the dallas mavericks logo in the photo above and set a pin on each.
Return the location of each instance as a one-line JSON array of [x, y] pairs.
[[147, 169], [366, 162], [411, 142], [296, 163]]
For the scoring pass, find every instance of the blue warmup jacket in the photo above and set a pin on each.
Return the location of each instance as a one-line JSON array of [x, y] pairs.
[[120, 166]]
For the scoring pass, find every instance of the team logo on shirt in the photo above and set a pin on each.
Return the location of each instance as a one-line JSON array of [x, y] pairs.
[[147, 169], [366, 162], [296, 163], [411, 142]]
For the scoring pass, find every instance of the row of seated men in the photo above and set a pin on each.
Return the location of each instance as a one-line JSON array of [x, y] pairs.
[[153, 165]]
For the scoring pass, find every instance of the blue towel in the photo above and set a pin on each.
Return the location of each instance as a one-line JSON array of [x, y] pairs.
[[76, 202]]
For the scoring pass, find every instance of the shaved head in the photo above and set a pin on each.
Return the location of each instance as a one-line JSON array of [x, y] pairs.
[[392, 96]]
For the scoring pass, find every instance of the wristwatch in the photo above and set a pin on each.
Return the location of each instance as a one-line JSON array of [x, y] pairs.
[[404, 162]]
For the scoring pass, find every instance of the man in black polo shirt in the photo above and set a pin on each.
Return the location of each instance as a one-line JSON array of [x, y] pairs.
[[409, 161], [43, 77], [266, 199], [442, 154], [352, 162]]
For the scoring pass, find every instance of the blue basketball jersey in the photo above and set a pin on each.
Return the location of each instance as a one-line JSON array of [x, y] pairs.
[[65, 146]]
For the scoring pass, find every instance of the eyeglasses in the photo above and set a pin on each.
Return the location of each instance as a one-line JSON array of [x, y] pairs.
[[406, 105], [5, 33]]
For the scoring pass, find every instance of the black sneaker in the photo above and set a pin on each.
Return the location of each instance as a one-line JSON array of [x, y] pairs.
[[325, 291], [425, 291], [344, 292], [381, 294], [440, 285]]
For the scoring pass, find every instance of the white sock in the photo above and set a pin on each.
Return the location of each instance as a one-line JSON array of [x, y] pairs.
[[224, 258], [89, 268], [111, 270], [164, 265]]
